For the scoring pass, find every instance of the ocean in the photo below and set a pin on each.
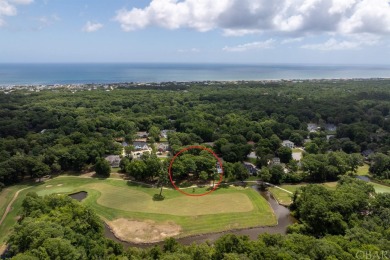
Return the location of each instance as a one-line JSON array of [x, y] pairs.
[[81, 73]]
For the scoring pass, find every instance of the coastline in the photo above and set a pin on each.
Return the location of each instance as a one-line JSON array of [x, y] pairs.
[[71, 74], [161, 84]]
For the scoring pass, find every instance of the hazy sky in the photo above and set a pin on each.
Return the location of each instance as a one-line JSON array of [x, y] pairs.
[[216, 31]]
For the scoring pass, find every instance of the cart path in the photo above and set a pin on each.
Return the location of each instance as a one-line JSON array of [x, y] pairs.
[[9, 207]]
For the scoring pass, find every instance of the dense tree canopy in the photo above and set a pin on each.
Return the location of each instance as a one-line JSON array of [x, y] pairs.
[[68, 130]]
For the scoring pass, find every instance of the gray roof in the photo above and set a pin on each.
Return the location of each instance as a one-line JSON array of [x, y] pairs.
[[137, 143]]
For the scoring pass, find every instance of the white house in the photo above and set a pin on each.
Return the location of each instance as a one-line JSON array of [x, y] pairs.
[[288, 143], [139, 146], [164, 133], [114, 160]]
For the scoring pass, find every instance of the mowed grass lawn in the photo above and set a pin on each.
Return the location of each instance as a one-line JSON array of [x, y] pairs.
[[125, 198], [380, 188], [285, 198], [224, 209], [363, 170]]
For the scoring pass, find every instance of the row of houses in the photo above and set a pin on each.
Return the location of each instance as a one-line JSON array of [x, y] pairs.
[[144, 146], [145, 135]]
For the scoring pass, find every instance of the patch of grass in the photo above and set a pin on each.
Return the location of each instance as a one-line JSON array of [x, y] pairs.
[[251, 160], [330, 185], [281, 196], [224, 209], [6, 197], [115, 170], [252, 178], [363, 170], [380, 188], [285, 198], [123, 198]]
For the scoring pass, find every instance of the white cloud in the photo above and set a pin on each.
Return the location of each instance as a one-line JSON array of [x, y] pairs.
[[21, 2], [268, 44], [239, 32], [240, 17], [192, 50], [8, 8], [332, 45], [291, 40], [92, 27], [45, 21], [171, 14]]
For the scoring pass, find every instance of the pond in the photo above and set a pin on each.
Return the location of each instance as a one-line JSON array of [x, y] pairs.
[[282, 213], [79, 195], [364, 178]]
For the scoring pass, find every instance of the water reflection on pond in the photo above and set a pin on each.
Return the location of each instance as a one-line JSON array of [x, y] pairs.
[[79, 195]]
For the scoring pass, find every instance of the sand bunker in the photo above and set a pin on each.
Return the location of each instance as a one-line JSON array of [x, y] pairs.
[[48, 186], [59, 185], [142, 231]]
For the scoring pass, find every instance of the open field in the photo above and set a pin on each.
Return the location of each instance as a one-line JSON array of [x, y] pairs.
[[380, 188], [119, 202], [285, 198], [363, 170]]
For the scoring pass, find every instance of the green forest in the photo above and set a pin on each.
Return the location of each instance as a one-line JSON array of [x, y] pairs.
[[338, 125], [59, 130]]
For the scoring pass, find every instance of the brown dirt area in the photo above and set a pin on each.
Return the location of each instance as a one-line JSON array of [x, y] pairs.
[[142, 231], [3, 248]]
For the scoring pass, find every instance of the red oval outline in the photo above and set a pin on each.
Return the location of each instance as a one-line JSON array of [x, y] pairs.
[[189, 148]]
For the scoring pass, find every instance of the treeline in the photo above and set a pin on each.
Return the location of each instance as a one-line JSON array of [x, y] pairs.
[[351, 222], [71, 131]]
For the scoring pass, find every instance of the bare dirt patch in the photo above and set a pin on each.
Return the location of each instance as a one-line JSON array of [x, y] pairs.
[[59, 185], [146, 231], [3, 248]]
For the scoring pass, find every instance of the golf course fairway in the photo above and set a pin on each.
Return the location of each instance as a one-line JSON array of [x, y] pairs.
[[132, 214]]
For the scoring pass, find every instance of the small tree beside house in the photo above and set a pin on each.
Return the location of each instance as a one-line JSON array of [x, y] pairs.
[[102, 167]]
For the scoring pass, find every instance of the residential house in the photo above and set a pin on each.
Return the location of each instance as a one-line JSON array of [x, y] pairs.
[[312, 128], [328, 137], [288, 143], [162, 147], [125, 144], [252, 169], [139, 146], [367, 153], [252, 155], [330, 127], [219, 168], [274, 161], [164, 133], [211, 144], [251, 143], [142, 134], [114, 160]]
